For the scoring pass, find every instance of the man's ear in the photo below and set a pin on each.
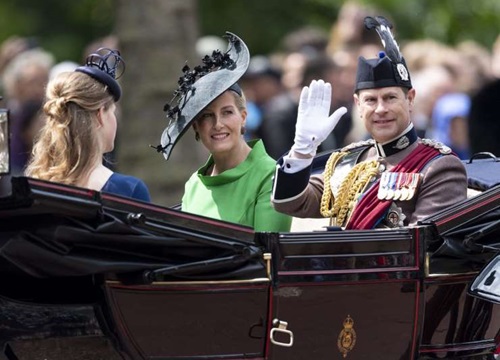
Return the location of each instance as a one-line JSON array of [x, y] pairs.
[[411, 96], [356, 99]]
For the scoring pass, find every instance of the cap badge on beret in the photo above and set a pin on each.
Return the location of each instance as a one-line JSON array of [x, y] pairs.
[[403, 72]]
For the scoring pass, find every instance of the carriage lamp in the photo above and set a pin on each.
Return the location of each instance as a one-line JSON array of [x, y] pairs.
[[4, 142]]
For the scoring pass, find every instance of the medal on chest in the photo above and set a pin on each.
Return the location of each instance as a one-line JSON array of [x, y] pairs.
[[398, 186]]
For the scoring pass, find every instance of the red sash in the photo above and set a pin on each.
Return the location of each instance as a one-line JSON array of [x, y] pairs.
[[370, 209]]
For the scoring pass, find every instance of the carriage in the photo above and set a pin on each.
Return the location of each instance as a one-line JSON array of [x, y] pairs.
[[92, 275], [89, 275]]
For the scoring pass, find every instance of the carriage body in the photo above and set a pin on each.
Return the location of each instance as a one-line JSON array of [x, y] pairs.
[[94, 275]]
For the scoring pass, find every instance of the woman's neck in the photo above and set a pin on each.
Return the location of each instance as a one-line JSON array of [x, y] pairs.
[[230, 160], [98, 177]]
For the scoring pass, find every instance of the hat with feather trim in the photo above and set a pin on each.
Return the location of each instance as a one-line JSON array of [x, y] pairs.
[[106, 66], [200, 86], [389, 68]]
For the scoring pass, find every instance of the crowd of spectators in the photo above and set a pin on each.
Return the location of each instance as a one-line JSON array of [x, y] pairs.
[[457, 86]]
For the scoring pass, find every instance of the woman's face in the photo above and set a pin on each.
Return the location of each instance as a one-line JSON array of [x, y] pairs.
[[108, 128], [219, 124]]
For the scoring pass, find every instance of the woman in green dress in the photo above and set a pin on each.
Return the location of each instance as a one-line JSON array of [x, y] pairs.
[[235, 184]]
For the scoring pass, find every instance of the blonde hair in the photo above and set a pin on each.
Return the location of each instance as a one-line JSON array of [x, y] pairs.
[[67, 147], [239, 100]]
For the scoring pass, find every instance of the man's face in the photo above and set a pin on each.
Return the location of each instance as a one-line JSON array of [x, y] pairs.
[[385, 111]]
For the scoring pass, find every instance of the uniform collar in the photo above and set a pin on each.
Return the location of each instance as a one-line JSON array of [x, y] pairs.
[[408, 137]]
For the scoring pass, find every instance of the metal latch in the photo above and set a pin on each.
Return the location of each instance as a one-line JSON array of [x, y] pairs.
[[267, 259], [280, 328]]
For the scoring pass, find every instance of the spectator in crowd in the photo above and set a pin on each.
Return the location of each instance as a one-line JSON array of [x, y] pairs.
[[277, 107], [12, 47], [430, 82], [449, 122], [24, 79], [483, 120], [348, 40], [348, 32], [324, 67], [483, 123]]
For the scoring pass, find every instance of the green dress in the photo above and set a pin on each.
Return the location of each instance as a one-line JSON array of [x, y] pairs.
[[241, 195]]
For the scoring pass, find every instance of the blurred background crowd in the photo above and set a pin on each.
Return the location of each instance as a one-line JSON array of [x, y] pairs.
[[452, 50]]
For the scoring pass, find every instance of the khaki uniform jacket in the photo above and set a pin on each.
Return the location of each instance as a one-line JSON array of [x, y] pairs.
[[444, 183]]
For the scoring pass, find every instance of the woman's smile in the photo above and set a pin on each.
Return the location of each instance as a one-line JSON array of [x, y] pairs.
[[219, 136]]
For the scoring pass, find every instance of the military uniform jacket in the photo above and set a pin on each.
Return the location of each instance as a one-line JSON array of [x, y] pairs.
[[443, 182]]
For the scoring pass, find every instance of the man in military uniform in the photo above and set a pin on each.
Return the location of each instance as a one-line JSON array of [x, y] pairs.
[[395, 179]]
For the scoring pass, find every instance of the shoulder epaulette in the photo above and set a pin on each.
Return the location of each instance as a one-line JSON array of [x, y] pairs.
[[358, 144], [443, 149]]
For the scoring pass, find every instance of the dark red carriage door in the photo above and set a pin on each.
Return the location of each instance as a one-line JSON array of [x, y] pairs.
[[191, 320], [347, 295]]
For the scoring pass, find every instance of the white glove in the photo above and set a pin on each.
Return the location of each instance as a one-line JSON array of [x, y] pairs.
[[313, 123]]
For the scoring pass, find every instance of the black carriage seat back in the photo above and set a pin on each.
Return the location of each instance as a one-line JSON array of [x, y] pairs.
[[483, 172]]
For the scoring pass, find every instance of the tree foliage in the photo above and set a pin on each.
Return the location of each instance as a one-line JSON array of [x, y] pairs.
[[65, 27], [449, 21], [263, 23]]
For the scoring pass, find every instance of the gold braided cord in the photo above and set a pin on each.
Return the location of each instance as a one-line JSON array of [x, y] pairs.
[[351, 187], [366, 171], [327, 196]]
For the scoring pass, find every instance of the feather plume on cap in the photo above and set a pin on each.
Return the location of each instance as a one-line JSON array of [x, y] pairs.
[[389, 68], [383, 28]]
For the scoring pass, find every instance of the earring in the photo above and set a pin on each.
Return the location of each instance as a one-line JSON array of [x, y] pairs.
[[196, 136], [243, 130]]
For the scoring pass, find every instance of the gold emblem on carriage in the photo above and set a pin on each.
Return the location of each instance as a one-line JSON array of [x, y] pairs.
[[347, 337]]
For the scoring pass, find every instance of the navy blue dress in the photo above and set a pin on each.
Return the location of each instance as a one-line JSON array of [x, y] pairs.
[[126, 185]]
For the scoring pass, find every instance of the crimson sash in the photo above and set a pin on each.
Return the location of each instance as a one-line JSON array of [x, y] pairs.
[[370, 209]]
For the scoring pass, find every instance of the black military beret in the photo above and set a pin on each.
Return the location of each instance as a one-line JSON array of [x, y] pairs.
[[381, 72]]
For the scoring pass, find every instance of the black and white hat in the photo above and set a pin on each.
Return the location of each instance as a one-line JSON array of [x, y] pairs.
[[200, 86]]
